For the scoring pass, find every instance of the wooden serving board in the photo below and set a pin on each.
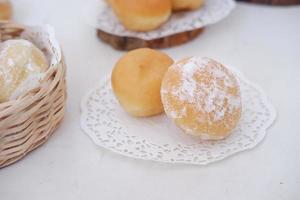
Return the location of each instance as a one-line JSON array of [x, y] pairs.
[[130, 43], [274, 2]]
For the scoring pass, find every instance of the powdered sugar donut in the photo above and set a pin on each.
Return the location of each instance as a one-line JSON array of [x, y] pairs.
[[202, 97], [22, 66]]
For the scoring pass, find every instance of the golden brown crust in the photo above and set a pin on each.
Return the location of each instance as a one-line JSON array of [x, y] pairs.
[[186, 4], [142, 7], [136, 81], [141, 15], [5, 10]]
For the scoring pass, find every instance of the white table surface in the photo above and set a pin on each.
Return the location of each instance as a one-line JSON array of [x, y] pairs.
[[261, 41]]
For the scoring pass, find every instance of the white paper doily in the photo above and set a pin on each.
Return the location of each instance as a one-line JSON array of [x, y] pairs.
[[99, 14], [157, 138]]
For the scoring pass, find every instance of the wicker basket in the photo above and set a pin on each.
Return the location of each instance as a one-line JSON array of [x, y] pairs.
[[27, 122]]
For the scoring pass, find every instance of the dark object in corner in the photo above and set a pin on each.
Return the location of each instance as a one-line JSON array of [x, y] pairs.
[[274, 2]]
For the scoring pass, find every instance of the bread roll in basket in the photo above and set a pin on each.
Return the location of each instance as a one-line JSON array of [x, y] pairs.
[[29, 120]]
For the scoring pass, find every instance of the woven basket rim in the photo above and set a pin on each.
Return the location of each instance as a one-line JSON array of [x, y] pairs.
[[27, 95]]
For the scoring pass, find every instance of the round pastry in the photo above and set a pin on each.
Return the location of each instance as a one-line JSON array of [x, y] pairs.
[[136, 81], [186, 4], [21, 67], [5, 10], [142, 15], [202, 97]]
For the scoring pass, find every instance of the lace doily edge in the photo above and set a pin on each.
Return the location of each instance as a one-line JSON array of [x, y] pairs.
[[267, 125]]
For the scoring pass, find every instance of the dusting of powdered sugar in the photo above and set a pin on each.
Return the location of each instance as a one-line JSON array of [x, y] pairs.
[[5, 45], [208, 96], [29, 83], [189, 85], [8, 67]]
